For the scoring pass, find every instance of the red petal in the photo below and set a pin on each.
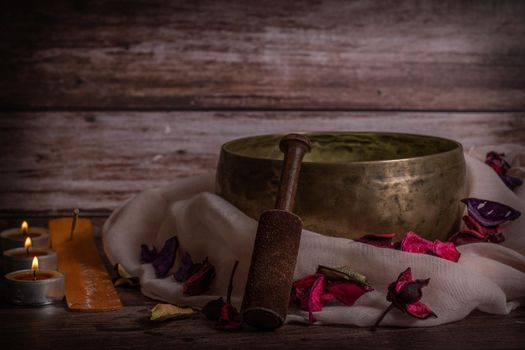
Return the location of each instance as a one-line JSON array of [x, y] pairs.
[[404, 278], [229, 319], [302, 289], [445, 250], [419, 310], [315, 298], [382, 240], [414, 243], [347, 292], [466, 237]]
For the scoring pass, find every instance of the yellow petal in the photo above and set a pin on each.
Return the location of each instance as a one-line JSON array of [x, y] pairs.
[[163, 312]]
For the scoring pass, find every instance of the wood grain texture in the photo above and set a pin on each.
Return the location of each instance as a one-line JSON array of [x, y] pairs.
[[53, 327], [220, 54], [55, 161]]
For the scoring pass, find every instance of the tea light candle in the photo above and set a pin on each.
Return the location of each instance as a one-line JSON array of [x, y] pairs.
[[14, 238], [34, 287], [21, 258]]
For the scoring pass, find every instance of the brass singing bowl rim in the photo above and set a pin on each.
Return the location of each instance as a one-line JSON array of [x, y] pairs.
[[450, 147]]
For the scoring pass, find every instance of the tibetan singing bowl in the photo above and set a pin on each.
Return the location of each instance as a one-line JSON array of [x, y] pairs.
[[354, 183]]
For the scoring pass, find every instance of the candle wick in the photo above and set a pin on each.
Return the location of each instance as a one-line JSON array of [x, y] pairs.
[[76, 213], [34, 275], [27, 251]]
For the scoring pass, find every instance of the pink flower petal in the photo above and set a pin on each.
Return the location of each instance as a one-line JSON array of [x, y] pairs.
[[382, 240], [445, 250], [419, 310], [229, 319], [315, 298], [347, 292], [414, 243], [404, 278]]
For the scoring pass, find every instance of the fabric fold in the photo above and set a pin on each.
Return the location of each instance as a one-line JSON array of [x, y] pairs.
[[488, 276]]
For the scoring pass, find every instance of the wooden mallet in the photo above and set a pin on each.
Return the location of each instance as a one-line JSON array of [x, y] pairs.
[[270, 279]]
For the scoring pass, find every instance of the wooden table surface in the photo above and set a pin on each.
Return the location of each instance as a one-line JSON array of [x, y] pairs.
[[52, 327]]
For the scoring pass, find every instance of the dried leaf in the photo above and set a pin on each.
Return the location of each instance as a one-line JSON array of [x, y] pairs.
[[124, 278], [343, 273], [162, 312]]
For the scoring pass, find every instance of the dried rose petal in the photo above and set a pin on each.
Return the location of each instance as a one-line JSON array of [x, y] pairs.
[[162, 261], [229, 318], [419, 310], [489, 213], [347, 292], [405, 292], [497, 162], [212, 309], [200, 281], [511, 181], [414, 243], [382, 240], [445, 250], [466, 237], [184, 270], [162, 312]]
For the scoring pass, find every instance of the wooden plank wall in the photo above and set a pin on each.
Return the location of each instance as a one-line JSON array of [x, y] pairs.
[[100, 99]]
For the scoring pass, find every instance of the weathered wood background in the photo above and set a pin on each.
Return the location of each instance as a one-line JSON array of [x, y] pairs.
[[101, 99]]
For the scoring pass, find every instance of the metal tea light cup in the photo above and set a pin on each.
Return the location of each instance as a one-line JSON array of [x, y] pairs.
[[21, 259], [22, 290]]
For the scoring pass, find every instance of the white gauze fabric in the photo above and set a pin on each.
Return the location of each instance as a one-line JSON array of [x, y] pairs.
[[489, 277]]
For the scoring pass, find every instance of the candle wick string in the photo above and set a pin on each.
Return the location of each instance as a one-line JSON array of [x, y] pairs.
[[34, 275]]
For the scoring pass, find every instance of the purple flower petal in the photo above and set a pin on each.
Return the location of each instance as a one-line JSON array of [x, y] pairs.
[[511, 181], [382, 240], [147, 255], [347, 292], [183, 272], [200, 281], [489, 213], [419, 310], [165, 259]]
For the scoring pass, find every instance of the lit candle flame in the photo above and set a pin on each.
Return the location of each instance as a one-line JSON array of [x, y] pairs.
[[24, 228], [27, 243], [34, 265]]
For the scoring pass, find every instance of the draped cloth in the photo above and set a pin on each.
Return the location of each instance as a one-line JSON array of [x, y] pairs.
[[489, 277]]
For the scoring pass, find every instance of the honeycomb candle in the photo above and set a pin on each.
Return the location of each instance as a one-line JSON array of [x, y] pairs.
[[21, 258], [34, 287], [15, 237]]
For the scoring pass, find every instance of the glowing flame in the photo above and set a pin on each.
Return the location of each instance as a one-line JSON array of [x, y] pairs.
[[28, 243], [24, 228], [34, 265]]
